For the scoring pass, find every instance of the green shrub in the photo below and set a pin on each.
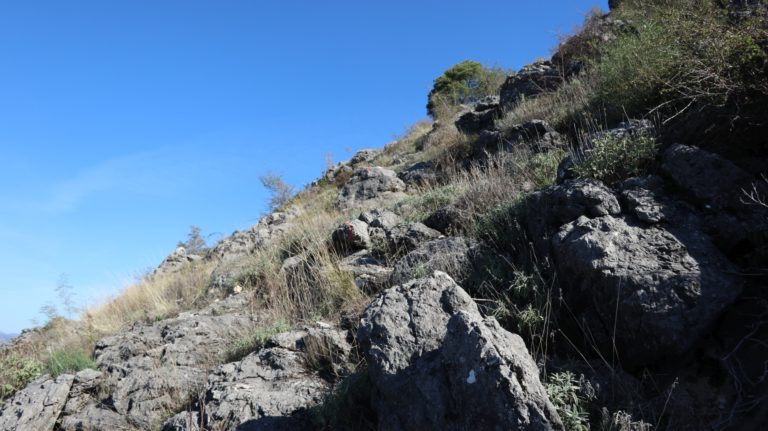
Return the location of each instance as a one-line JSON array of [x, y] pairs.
[[613, 158], [563, 390], [15, 372], [68, 360], [243, 347], [463, 83], [679, 52]]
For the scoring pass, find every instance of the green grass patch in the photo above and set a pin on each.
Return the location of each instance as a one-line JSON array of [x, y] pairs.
[[68, 360], [243, 347]]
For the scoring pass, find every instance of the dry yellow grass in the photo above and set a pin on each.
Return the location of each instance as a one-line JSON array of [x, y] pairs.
[[152, 298]]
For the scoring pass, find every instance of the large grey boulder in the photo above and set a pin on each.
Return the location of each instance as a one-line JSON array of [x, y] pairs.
[[436, 363], [151, 369], [531, 80], [642, 291], [367, 184], [37, 406]]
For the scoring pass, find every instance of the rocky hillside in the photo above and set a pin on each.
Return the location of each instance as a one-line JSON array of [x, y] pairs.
[[583, 247]]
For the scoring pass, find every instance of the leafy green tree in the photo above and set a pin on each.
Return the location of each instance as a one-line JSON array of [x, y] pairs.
[[463, 83]]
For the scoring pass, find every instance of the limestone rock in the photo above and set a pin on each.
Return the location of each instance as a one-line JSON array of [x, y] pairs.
[[38, 406], [435, 363]]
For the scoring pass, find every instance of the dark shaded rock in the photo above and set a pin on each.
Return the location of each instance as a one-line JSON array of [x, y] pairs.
[[406, 237], [548, 209], [371, 274], [435, 363], [705, 177], [474, 121], [539, 134], [420, 174], [352, 235], [642, 197], [645, 292], [369, 183], [566, 170], [531, 80], [446, 219], [37, 406]]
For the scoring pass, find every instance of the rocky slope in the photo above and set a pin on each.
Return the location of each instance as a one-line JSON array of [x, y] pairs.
[[653, 304]]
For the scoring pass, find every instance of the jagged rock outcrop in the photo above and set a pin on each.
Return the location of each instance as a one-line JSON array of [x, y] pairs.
[[272, 388], [371, 273], [175, 261], [482, 116], [531, 80], [538, 134], [419, 174], [244, 242], [38, 406], [436, 363], [369, 183], [150, 369], [380, 218], [548, 209], [406, 237]]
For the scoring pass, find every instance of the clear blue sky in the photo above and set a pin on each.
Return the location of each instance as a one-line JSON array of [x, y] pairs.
[[122, 123]]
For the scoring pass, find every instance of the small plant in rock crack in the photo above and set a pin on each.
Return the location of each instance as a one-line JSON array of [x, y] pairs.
[[244, 346], [611, 158], [563, 390]]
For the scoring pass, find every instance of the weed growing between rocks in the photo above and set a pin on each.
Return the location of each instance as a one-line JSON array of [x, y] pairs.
[[611, 158], [68, 361], [243, 347], [563, 390], [16, 371]]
